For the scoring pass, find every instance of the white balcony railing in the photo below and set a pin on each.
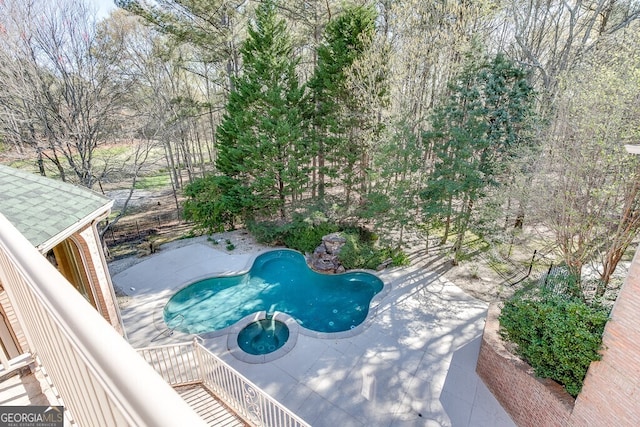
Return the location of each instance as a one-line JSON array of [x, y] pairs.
[[191, 363], [99, 376]]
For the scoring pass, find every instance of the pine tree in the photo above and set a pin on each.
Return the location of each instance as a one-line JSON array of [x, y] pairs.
[[260, 137], [474, 136], [335, 115]]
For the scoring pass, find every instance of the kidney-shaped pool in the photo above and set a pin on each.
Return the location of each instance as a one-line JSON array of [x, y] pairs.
[[278, 280]]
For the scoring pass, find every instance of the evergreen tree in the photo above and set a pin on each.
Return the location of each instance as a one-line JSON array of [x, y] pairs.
[[260, 137], [474, 136], [393, 203], [335, 109]]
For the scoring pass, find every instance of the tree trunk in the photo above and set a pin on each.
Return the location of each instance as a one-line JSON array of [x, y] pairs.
[[447, 223], [171, 164], [321, 170], [186, 155], [56, 161], [610, 264], [463, 226], [40, 162], [519, 222], [281, 196]]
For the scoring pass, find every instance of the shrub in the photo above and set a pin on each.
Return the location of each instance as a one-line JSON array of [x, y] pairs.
[[268, 233], [302, 233], [363, 253], [212, 203], [400, 258], [558, 335], [305, 236], [354, 254]]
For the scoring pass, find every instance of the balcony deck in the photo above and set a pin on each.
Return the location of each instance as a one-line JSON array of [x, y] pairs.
[[23, 390], [31, 389], [97, 374], [207, 406]]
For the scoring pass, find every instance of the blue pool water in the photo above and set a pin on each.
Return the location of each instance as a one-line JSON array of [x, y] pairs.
[[263, 336], [279, 280]]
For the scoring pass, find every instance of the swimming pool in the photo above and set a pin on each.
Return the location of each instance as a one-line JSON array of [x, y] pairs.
[[278, 280]]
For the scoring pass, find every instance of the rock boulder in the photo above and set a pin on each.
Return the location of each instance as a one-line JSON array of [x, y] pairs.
[[325, 258]]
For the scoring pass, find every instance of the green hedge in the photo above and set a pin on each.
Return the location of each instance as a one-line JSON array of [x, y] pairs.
[[558, 335]]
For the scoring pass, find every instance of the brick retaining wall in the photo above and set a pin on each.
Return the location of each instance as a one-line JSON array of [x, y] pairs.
[[529, 400], [610, 394]]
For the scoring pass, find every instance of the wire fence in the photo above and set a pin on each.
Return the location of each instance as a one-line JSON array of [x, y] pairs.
[[546, 271], [516, 272], [140, 229]]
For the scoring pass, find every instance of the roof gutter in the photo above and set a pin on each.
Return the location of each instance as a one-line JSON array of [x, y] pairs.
[[97, 215]]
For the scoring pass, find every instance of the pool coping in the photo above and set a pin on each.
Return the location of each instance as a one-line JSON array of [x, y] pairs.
[[233, 330], [238, 353]]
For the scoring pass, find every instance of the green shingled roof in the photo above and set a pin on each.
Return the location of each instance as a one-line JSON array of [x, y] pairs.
[[41, 208]]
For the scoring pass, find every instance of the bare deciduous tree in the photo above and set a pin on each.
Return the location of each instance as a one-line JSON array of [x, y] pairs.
[[589, 185], [553, 36], [59, 94]]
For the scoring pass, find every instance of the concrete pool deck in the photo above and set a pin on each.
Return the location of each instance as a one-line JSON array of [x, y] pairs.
[[413, 365]]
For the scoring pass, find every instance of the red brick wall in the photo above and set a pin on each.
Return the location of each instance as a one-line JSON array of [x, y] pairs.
[[98, 275], [610, 395], [611, 391], [529, 400]]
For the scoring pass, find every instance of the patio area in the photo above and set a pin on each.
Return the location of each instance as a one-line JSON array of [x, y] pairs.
[[413, 364]]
